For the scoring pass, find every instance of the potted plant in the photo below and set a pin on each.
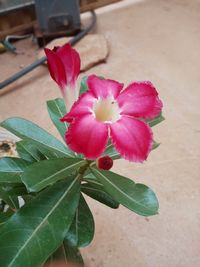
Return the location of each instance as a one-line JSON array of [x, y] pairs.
[[44, 216]]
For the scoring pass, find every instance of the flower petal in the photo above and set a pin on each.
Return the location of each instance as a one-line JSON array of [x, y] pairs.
[[81, 107], [87, 136], [103, 88], [132, 138], [56, 68], [140, 99], [71, 62]]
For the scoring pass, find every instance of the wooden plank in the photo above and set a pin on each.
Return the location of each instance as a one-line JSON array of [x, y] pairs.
[[20, 29], [17, 22], [86, 5]]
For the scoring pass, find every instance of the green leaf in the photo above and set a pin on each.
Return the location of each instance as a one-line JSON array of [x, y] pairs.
[[156, 120], [73, 254], [112, 152], [4, 216], [29, 151], [136, 197], [47, 172], [155, 145], [81, 231], [65, 255], [10, 200], [57, 110], [83, 86], [33, 233], [15, 189], [97, 192], [27, 198], [27, 130], [11, 169], [90, 178]]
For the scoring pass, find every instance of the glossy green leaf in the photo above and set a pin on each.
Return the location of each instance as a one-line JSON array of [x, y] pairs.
[[73, 254], [15, 189], [47, 152], [10, 200], [33, 233], [90, 178], [11, 169], [27, 198], [46, 172], [65, 255], [29, 151], [4, 216], [156, 120], [83, 86], [81, 231], [98, 193], [136, 197], [27, 130], [57, 110], [112, 152]]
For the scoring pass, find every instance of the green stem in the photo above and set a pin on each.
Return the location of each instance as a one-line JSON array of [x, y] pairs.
[[92, 164], [84, 168]]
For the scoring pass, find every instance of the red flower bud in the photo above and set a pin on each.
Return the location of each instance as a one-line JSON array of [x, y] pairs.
[[105, 163]]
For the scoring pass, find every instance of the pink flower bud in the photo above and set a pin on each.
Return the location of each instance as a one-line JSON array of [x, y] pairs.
[[105, 163], [64, 68]]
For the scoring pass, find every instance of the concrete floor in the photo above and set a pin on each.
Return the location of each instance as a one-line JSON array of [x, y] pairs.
[[149, 40]]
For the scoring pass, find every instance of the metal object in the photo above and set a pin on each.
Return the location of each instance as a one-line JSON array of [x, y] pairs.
[[18, 17], [13, 5], [37, 63], [9, 46], [56, 17]]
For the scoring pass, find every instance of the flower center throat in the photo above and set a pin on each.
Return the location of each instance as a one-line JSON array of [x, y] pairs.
[[106, 110]]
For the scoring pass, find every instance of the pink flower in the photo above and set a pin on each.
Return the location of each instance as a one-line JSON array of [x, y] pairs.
[[106, 111], [64, 68]]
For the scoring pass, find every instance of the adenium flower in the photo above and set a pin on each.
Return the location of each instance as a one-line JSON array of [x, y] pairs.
[[104, 163], [107, 111], [64, 67]]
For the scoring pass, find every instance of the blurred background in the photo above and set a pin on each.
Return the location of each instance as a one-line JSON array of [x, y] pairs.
[[154, 40]]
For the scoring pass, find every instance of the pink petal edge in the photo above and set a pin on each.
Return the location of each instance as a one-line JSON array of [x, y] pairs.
[[81, 107], [140, 100], [103, 88], [87, 136], [132, 138]]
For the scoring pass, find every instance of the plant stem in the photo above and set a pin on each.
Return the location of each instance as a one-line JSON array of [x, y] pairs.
[[84, 168]]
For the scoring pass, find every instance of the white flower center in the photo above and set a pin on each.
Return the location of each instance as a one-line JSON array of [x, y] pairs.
[[106, 110]]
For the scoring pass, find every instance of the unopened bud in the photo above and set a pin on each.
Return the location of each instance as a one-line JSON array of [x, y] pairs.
[[104, 163]]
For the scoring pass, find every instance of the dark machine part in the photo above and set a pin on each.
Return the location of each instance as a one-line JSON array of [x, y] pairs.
[[18, 17], [40, 61], [7, 6], [56, 18]]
